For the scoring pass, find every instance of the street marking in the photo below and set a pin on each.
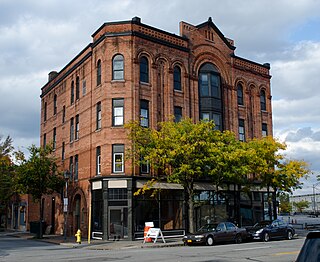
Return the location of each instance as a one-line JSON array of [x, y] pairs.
[[251, 248], [286, 253]]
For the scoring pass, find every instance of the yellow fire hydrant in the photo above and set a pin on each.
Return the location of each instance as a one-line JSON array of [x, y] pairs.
[[78, 236]]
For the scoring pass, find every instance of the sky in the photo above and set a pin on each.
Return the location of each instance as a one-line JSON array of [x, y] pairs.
[[37, 37]]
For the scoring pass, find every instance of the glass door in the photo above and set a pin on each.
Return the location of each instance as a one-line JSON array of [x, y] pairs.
[[118, 222]]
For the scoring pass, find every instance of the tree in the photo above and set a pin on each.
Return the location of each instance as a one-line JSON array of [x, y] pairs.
[[38, 175], [301, 205], [182, 151], [285, 205], [6, 176]]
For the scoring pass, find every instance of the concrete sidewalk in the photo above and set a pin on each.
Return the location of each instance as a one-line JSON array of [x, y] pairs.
[[96, 244]]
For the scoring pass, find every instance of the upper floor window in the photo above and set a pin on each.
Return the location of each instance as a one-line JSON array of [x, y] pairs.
[[177, 114], [144, 166], [263, 104], [264, 129], [240, 94], [44, 142], [144, 70], [45, 112], [144, 113], [63, 152], [99, 72], [209, 82], [118, 158], [117, 112], [71, 165], [177, 78], [84, 87], [54, 138], [77, 127], [76, 167], [118, 67], [241, 130], [98, 116], [72, 93], [98, 161], [77, 88], [71, 129], [55, 104], [63, 114]]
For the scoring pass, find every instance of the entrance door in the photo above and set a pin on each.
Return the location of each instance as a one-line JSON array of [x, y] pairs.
[[118, 222]]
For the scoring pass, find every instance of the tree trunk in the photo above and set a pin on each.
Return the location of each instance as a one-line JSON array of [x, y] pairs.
[[190, 211], [269, 203]]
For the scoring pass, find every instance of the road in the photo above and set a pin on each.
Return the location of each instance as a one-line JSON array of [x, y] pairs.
[[16, 249]]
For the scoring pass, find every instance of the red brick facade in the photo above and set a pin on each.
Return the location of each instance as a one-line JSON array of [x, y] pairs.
[[195, 46]]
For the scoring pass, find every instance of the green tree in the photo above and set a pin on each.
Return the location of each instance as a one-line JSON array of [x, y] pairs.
[[38, 175], [6, 176], [301, 205], [182, 151], [284, 203]]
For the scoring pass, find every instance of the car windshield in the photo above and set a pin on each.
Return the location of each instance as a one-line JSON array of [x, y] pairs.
[[208, 227], [261, 224]]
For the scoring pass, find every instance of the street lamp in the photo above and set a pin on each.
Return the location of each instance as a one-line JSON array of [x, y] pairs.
[[67, 175], [314, 197]]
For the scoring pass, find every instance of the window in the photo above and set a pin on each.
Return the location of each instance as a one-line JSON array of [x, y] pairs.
[[76, 164], [99, 72], [177, 114], [240, 94], [77, 127], [264, 129], [144, 70], [263, 105], [71, 165], [98, 161], [117, 67], [84, 87], [117, 112], [144, 166], [118, 158], [63, 114], [77, 88], [55, 104], [144, 113], [63, 151], [72, 93], [241, 130], [44, 142], [54, 137], [177, 78], [45, 112], [98, 116], [210, 97], [71, 129]]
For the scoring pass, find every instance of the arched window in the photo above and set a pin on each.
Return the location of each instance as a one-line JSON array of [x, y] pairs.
[[144, 70], [240, 94], [263, 105], [210, 98], [177, 78], [72, 93], [117, 68], [98, 72]]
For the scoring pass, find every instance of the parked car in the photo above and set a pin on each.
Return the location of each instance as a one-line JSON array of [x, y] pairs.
[[216, 232], [266, 230], [310, 251]]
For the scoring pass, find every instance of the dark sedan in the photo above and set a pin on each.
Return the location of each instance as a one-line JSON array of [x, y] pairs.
[[266, 230], [310, 251], [215, 233]]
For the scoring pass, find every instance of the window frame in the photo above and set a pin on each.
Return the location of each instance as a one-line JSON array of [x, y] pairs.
[[72, 93], [144, 107], [263, 100], [63, 152], [71, 129], [45, 111], [76, 167], [177, 116], [98, 160], [116, 106], [264, 128], [55, 98], [117, 150], [118, 58], [240, 98], [99, 72], [54, 138], [77, 88], [63, 114], [77, 127], [98, 116], [241, 130]]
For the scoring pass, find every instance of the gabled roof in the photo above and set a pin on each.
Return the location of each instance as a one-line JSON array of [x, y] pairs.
[[209, 23]]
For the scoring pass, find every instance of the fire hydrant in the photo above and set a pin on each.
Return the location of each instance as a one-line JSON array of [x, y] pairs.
[[78, 236]]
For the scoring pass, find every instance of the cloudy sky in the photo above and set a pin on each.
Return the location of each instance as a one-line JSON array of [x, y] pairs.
[[37, 37]]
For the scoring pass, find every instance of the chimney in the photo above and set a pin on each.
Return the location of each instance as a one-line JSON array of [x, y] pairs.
[[52, 75]]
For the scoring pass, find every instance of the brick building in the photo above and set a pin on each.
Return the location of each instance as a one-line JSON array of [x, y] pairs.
[[132, 71]]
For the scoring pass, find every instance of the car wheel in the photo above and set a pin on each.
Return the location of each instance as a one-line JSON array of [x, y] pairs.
[[210, 241], [238, 239], [266, 237], [289, 235]]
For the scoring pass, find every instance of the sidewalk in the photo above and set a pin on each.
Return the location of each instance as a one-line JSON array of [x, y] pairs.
[[96, 244]]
